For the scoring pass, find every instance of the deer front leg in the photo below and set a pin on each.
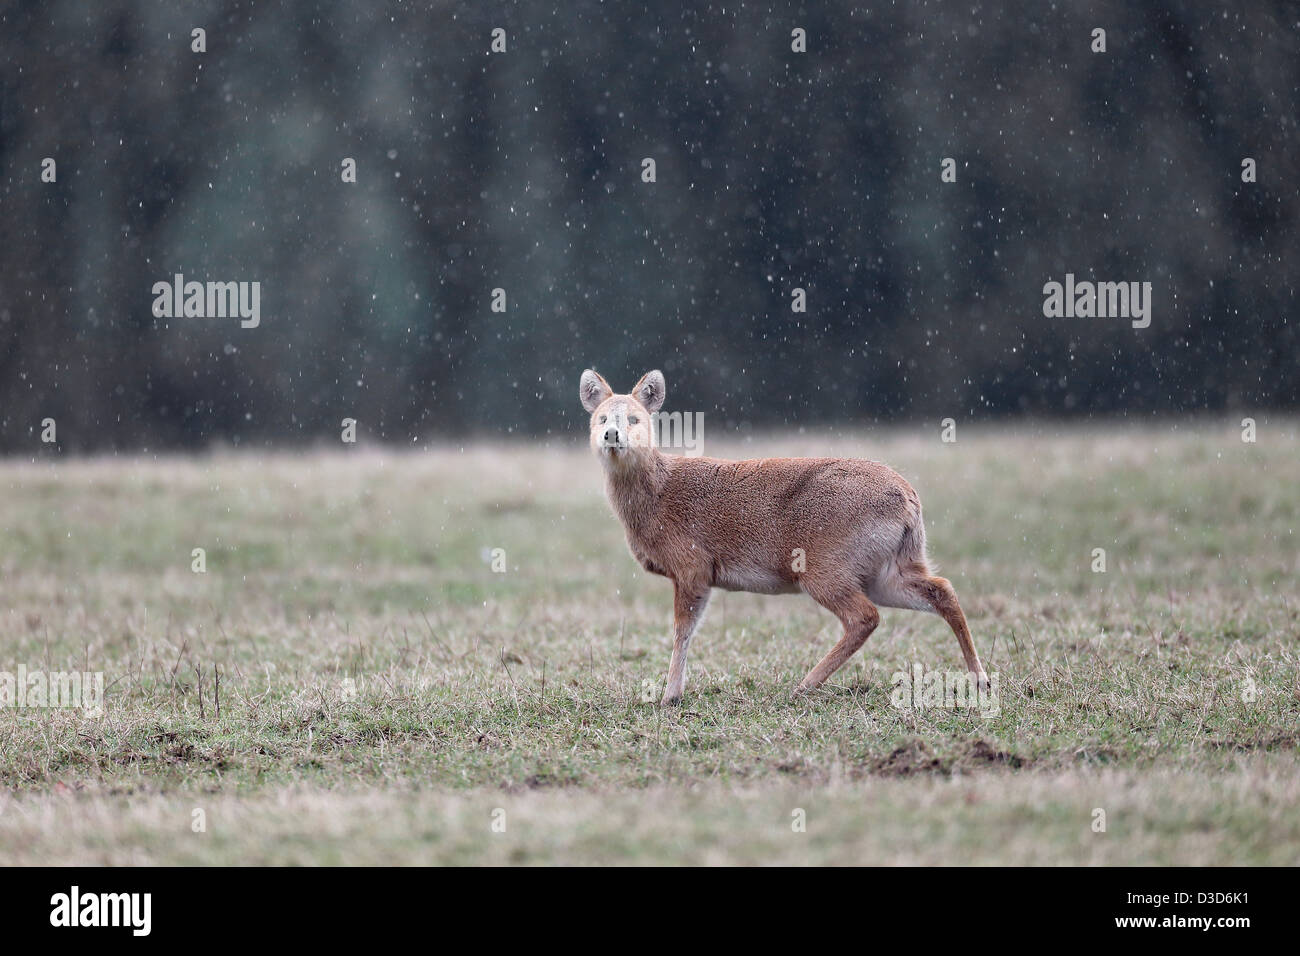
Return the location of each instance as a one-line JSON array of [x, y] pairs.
[[689, 602]]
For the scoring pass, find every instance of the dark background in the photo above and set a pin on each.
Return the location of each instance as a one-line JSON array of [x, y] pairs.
[[522, 170]]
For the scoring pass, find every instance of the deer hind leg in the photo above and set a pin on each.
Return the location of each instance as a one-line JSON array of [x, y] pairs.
[[689, 602], [923, 591], [859, 617]]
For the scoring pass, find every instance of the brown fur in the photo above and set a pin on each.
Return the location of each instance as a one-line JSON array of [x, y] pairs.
[[739, 525]]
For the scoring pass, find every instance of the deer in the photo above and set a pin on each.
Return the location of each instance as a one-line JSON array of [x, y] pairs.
[[847, 532]]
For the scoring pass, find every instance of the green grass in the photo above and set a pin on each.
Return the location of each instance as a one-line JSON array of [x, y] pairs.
[[382, 690]]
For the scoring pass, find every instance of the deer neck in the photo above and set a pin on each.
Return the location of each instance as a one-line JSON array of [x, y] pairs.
[[634, 490]]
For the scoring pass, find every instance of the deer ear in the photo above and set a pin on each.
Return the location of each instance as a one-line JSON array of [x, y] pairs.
[[593, 390], [650, 391]]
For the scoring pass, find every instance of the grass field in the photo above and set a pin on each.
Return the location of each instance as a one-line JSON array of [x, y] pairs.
[[350, 681]]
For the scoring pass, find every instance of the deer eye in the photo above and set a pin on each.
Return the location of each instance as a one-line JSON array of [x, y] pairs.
[[602, 419], [633, 420]]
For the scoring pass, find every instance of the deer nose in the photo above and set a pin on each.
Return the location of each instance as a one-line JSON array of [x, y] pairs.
[[611, 436]]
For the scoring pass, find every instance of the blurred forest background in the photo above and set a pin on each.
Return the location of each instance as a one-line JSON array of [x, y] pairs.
[[521, 170]]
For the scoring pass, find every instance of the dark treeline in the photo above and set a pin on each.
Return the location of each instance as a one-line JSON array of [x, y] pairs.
[[522, 171]]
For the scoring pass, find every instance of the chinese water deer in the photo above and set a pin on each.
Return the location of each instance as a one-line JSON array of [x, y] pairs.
[[846, 532]]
